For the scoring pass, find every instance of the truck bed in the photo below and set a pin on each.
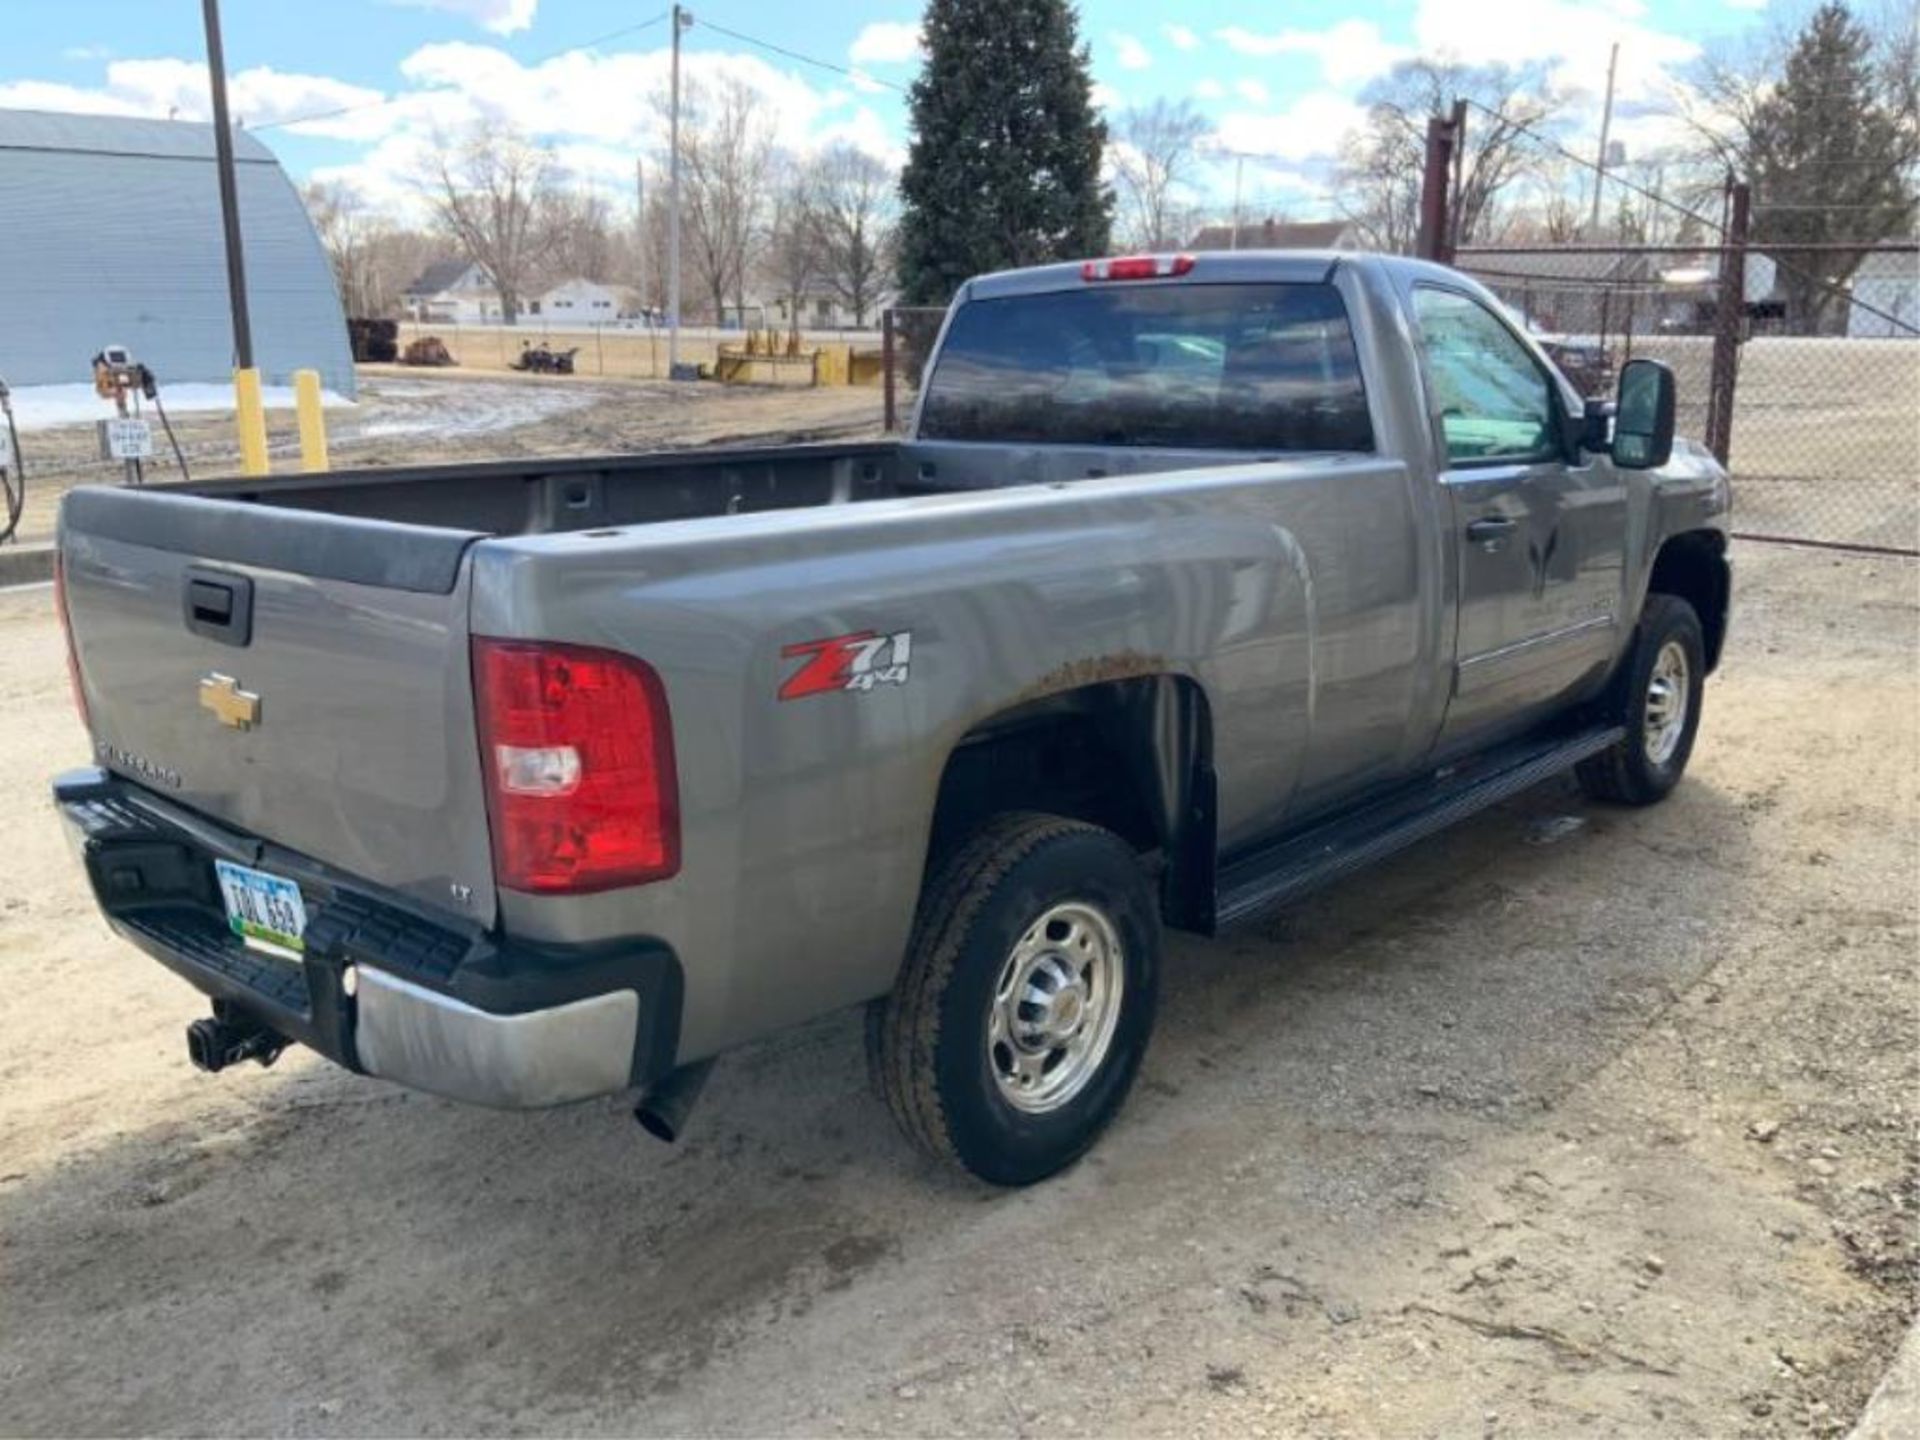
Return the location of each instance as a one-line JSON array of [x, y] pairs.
[[521, 497]]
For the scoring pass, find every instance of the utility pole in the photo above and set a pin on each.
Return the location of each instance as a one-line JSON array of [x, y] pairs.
[[1600, 161], [250, 415], [1238, 162], [682, 19]]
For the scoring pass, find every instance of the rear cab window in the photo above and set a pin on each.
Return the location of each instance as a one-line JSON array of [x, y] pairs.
[[1251, 367]]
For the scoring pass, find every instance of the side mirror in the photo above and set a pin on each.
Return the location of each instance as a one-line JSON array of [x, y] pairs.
[[1643, 416]]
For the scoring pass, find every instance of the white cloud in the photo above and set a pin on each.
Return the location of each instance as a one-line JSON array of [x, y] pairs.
[[167, 87], [1349, 52], [1210, 89], [887, 42], [1105, 97], [86, 52], [1571, 37], [1180, 37], [1310, 128], [1745, 4], [502, 17], [1252, 91], [1130, 52]]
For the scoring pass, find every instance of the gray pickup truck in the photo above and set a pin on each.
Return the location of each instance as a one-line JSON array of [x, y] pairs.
[[1200, 581]]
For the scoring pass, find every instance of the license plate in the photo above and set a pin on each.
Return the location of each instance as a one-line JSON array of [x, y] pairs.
[[263, 910]]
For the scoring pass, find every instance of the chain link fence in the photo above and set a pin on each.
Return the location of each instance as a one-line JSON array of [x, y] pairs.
[[1814, 407]]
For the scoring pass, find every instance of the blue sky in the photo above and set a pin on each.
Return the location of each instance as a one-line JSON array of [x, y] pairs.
[[1277, 81]]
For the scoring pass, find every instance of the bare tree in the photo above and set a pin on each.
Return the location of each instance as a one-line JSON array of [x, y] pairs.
[[346, 226], [726, 162], [491, 191], [373, 258], [581, 241], [852, 212], [1153, 155], [1381, 165], [792, 260]]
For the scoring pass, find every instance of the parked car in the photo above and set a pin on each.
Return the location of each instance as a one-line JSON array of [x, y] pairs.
[[1198, 582]]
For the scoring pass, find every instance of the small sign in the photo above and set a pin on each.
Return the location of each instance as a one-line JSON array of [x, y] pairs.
[[127, 438]]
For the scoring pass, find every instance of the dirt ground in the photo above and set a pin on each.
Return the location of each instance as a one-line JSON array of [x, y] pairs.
[[1573, 1121], [406, 417]]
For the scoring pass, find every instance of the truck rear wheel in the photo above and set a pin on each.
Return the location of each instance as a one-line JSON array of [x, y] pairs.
[[1657, 697], [1026, 1000]]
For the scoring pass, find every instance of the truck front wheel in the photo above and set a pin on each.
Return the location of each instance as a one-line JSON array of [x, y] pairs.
[[1656, 696], [1025, 1003]]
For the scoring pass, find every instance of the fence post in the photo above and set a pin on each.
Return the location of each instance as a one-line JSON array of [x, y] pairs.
[[1728, 323], [1436, 183], [886, 367]]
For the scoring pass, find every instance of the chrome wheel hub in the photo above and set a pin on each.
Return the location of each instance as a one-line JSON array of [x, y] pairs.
[[1055, 1007], [1665, 715]]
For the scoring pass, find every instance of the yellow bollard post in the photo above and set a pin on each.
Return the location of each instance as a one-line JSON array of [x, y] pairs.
[[250, 416], [313, 423]]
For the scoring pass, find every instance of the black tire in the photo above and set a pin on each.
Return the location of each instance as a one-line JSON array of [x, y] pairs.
[[928, 1042], [1628, 773]]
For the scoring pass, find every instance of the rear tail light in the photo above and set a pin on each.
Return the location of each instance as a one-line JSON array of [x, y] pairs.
[[1137, 267], [577, 748], [66, 630]]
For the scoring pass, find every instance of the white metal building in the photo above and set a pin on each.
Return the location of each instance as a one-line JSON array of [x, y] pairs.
[[110, 234]]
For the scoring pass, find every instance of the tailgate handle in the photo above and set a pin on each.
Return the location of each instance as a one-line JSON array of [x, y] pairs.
[[219, 605]]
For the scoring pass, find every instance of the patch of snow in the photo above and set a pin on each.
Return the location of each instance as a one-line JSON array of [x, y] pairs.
[[41, 407], [468, 407]]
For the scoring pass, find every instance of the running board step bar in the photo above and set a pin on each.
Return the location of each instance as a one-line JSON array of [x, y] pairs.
[[1330, 851]]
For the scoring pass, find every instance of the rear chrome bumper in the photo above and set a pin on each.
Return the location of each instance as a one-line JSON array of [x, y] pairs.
[[382, 988], [429, 1041]]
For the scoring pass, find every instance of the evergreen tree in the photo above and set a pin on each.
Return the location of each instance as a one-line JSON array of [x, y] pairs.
[[1829, 142], [1004, 166]]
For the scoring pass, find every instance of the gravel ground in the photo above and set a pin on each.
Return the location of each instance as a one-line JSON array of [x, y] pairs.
[[1572, 1121]]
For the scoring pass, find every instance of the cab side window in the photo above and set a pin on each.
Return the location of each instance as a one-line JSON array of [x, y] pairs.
[[1496, 403]]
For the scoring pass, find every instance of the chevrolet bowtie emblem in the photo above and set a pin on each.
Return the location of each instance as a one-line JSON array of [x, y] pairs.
[[231, 706]]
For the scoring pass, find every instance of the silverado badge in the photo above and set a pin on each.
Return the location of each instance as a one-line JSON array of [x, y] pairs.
[[231, 706]]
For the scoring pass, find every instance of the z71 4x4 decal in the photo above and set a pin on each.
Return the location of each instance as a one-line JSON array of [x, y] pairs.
[[856, 662]]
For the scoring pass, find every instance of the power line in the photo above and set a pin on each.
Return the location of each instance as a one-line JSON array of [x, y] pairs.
[[851, 74], [1832, 287], [386, 100]]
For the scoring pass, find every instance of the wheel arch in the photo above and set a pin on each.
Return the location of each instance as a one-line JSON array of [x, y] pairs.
[[1132, 755], [1693, 566]]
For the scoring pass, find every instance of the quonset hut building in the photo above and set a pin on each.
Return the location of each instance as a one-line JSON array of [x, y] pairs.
[[110, 234]]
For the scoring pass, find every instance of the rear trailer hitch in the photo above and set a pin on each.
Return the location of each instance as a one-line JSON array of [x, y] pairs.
[[227, 1037]]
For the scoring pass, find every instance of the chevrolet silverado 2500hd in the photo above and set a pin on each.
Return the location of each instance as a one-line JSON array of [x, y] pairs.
[[1199, 581]]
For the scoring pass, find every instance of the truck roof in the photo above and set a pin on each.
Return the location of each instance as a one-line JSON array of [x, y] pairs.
[[1297, 267]]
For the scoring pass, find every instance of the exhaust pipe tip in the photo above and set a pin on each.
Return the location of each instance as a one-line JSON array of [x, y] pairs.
[[663, 1110]]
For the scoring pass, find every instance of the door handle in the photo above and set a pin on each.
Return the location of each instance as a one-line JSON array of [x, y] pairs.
[[1489, 529], [218, 605]]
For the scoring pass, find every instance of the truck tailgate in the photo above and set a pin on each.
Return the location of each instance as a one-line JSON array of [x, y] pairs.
[[300, 677]]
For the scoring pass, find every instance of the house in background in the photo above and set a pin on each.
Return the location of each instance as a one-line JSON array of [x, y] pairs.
[[1271, 234], [579, 302], [1890, 283], [819, 307], [453, 292]]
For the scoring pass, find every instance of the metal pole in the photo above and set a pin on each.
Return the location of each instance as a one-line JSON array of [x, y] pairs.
[[1431, 242], [1606, 125], [229, 189], [681, 20], [1729, 322], [1234, 242], [640, 233]]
